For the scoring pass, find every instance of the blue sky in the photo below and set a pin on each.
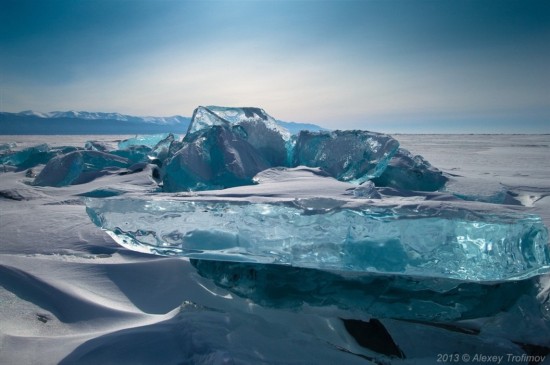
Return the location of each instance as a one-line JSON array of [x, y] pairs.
[[392, 66]]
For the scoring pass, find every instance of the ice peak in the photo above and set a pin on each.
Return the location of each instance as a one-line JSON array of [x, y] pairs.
[[206, 116], [235, 114]]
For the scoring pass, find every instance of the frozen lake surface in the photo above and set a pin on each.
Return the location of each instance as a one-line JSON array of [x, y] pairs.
[[70, 294]]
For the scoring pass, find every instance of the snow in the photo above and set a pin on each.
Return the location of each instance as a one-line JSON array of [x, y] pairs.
[[70, 294]]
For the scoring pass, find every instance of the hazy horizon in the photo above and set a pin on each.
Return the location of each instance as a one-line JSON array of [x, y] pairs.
[[389, 66]]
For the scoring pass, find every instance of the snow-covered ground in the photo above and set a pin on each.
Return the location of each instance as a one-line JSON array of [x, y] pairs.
[[69, 294]]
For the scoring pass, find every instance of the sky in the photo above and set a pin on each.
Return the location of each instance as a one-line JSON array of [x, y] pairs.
[[410, 66]]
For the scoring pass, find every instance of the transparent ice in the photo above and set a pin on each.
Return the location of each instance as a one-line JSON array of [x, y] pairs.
[[425, 240], [408, 172], [33, 156], [226, 147], [300, 217], [353, 156], [253, 125], [204, 117], [134, 153], [96, 146], [150, 140], [78, 167], [214, 157], [161, 150]]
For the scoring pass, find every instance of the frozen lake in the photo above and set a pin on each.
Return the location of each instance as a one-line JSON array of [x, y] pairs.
[[70, 294]]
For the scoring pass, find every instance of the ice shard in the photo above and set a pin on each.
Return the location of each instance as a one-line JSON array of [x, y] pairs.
[[78, 167], [203, 118], [27, 157], [33, 156], [161, 150], [408, 172], [142, 148], [221, 153], [467, 241], [212, 158], [366, 190], [6, 147], [146, 140], [244, 116], [134, 153], [260, 130], [96, 146], [353, 156], [253, 125]]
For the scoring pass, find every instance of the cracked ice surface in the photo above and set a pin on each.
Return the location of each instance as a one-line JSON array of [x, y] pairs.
[[299, 217]]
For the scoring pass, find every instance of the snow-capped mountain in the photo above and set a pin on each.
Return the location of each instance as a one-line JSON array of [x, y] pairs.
[[32, 113], [104, 116], [83, 122]]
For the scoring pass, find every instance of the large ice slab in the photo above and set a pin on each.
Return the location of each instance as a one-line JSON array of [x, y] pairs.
[[204, 117], [354, 156], [134, 153], [162, 149], [78, 167], [408, 172], [216, 157], [146, 148], [225, 147], [253, 125], [33, 156], [149, 140], [429, 238]]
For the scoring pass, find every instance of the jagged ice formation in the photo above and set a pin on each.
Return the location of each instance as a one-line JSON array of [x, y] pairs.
[[226, 147]]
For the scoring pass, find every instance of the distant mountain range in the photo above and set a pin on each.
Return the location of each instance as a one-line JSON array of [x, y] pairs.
[[82, 122], [78, 122]]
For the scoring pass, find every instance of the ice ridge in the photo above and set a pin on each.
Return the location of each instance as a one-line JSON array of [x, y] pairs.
[[226, 147]]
